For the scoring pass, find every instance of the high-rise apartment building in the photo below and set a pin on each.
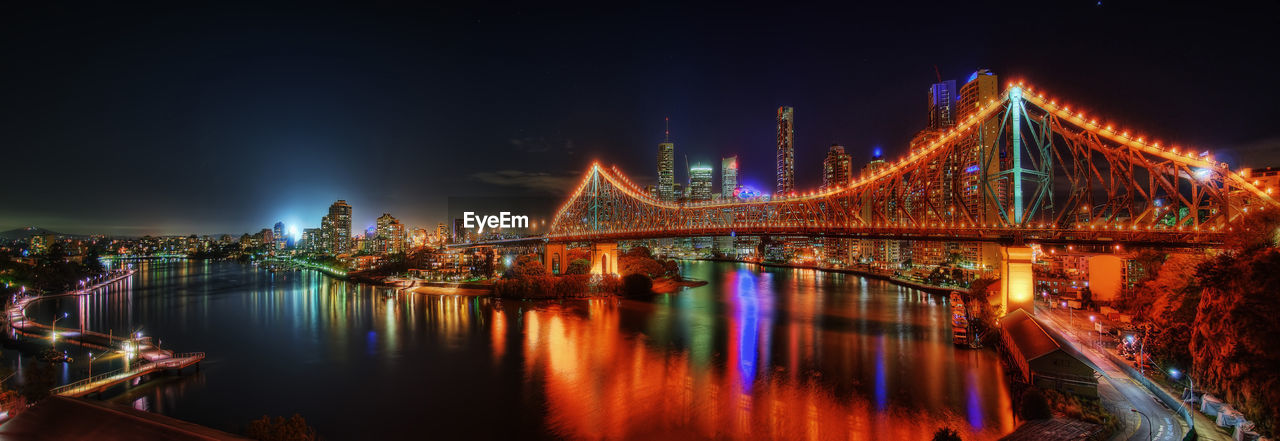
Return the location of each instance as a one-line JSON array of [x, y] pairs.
[[339, 235], [667, 167], [978, 162], [728, 176], [459, 231], [942, 101], [442, 232], [389, 235], [786, 151], [700, 182], [978, 155], [278, 234], [837, 169], [325, 237]]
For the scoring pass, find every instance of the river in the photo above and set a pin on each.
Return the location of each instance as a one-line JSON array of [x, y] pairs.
[[756, 353]]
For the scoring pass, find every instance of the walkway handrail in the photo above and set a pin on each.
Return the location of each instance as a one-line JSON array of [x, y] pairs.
[[89, 382]]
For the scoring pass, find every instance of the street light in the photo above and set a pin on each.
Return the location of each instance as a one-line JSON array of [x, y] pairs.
[[1095, 328], [91, 359], [1149, 436], [53, 338], [1173, 372]]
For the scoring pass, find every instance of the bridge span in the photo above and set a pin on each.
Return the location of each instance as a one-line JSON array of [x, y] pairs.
[[1019, 170]]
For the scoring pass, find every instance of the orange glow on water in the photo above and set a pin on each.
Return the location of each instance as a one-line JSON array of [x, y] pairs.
[[602, 382]]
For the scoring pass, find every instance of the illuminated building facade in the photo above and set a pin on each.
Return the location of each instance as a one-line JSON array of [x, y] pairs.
[[389, 237], [728, 176], [339, 226], [786, 151], [700, 182], [278, 233], [942, 101], [667, 168], [837, 168]]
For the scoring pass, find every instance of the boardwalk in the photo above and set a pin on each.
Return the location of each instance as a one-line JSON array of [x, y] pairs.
[[101, 382], [150, 359]]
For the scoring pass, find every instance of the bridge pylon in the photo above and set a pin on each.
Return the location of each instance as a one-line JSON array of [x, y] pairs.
[[554, 258], [1017, 280], [604, 258]]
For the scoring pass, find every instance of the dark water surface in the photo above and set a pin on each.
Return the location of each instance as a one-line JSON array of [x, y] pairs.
[[757, 353]]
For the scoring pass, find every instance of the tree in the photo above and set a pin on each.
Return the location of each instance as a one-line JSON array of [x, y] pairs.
[[637, 284], [640, 263], [280, 429], [527, 265], [946, 434], [578, 266], [1255, 230], [640, 251]]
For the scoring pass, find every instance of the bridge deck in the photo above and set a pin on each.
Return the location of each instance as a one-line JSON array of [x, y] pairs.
[[101, 382]]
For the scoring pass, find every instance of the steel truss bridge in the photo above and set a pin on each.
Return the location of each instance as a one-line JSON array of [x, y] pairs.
[[1022, 168]]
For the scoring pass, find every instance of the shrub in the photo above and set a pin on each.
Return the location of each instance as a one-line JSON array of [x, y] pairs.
[[578, 266], [280, 429], [637, 284]]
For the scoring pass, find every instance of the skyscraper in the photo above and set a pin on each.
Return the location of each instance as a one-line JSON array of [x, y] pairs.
[[942, 100], [979, 167], [340, 227], [728, 176], [837, 169], [667, 167], [325, 237], [278, 234], [978, 155], [700, 182], [786, 151]]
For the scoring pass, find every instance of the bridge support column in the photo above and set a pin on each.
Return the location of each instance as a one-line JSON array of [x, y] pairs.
[[604, 258], [1017, 281], [554, 258]]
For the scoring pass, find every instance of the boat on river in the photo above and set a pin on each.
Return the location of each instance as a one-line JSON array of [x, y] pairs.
[[959, 321]]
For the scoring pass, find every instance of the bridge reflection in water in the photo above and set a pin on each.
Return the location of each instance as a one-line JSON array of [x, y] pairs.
[[788, 354]]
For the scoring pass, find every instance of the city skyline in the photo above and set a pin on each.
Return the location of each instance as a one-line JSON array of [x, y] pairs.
[[286, 153]]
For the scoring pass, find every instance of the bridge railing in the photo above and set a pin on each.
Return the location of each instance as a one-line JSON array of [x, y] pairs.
[[93, 382]]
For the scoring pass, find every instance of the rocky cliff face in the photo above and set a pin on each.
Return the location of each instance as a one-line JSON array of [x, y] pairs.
[[1235, 340]]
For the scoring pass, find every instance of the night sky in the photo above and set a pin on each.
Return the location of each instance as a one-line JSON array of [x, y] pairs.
[[169, 119]]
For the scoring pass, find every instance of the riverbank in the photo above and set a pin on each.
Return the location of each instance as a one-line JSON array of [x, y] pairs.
[[453, 289], [667, 285]]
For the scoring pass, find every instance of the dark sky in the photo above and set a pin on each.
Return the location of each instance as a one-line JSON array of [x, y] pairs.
[[171, 119]]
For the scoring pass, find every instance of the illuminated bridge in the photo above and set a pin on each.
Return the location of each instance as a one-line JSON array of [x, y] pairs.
[[1022, 169]]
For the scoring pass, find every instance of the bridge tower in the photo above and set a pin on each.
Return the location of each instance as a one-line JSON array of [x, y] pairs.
[[554, 258], [1017, 281], [604, 258]]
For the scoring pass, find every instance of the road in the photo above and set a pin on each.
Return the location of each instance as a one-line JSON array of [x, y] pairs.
[[1119, 392]]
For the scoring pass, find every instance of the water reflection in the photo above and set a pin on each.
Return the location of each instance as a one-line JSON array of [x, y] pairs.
[[865, 368], [757, 353]]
